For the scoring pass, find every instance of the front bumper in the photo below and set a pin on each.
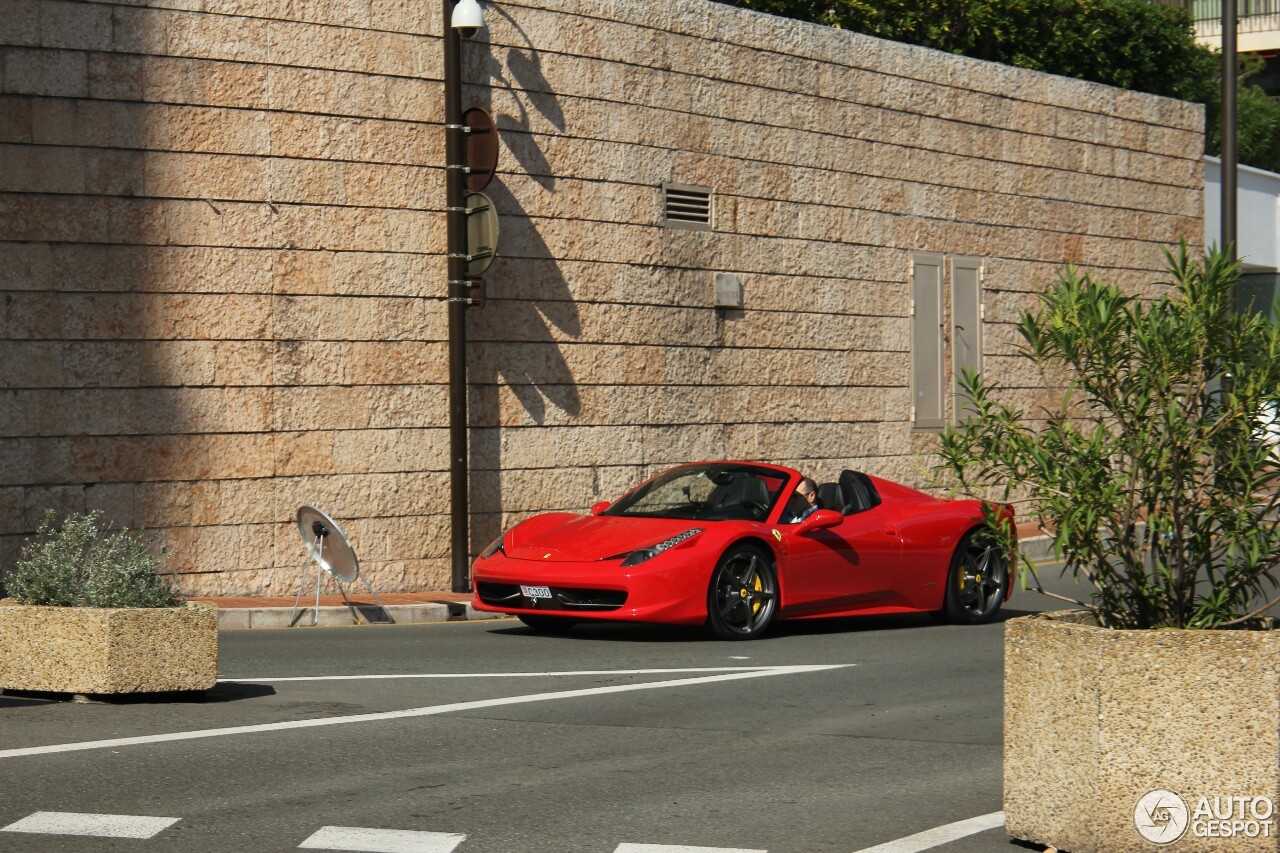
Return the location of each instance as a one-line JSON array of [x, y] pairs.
[[672, 592]]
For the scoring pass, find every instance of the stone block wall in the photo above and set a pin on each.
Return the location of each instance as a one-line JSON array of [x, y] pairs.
[[222, 281]]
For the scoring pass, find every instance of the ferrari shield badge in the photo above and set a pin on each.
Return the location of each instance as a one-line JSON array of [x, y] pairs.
[[777, 535]]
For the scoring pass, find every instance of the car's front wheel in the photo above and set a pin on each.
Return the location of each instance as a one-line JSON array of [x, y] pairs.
[[978, 580], [743, 595]]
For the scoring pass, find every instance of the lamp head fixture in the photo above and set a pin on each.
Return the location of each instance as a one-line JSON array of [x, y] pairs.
[[467, 18]]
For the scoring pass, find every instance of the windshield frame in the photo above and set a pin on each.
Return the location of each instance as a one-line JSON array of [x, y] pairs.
[[784, 477]]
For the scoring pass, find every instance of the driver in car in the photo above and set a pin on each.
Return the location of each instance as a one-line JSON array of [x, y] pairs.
[[803, 503]]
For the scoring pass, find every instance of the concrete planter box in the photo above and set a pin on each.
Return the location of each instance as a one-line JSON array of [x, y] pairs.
[[1095, 720], [108, 650]]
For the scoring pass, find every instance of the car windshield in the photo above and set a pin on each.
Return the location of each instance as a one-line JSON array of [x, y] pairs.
[[705, 492]]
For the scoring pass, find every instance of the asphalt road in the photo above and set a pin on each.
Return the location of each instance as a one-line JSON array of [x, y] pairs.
[[744, 746]]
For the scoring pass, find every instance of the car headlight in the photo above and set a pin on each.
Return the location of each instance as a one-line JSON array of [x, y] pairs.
[[642, 554], [493, 547]]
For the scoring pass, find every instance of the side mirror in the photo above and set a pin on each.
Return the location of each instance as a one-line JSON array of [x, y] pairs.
[[820, 520], [598, 508]]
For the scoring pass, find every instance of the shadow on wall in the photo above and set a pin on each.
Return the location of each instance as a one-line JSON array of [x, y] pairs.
[[525, 80], [89, 409], [530, 310]]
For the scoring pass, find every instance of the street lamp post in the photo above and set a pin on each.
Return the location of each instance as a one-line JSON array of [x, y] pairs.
[[1228, 189], [456, 231]]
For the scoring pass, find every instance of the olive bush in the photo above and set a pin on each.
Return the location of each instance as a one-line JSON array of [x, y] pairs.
[[1156, 469], [84, 564]]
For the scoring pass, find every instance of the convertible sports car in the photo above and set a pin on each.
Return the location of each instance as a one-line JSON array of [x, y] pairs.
[[718, 543]]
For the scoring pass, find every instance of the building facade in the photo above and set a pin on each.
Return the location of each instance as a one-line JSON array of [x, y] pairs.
[[1257, 31], [223, 282], [1258, 231]]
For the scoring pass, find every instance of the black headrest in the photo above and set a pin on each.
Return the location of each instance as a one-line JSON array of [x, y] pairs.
[[830, 496], [859, 492]]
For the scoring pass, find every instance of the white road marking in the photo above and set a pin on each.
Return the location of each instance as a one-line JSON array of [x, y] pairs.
[[668, 848], [939, 835], [381, 840], [429, 710], [99, 825], [555, 674]]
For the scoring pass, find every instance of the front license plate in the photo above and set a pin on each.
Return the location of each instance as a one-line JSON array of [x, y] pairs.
[[535, 591]]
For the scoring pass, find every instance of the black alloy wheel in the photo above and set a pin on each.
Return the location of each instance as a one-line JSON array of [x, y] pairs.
[[743, 595], [978, 580]]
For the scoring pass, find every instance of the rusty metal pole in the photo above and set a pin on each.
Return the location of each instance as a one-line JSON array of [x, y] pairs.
[[456, 230]]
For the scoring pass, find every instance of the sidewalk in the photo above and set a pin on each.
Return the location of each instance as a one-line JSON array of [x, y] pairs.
[[1035, 542], [401, 608], [410, 608]]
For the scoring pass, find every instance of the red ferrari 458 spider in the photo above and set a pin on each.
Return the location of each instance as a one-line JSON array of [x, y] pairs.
[[718, 543]]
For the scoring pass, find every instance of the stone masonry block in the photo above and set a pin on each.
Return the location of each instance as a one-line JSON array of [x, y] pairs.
[[39, 500], [31, 364], [73, 25], [50, 73], [297, 362], [29, 461], [202, 82], [338, 13], [390, 450], [353, 139], [305, 453], [394, 362]]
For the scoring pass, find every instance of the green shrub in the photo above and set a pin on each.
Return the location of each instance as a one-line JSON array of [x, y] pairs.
[[1133, 44], [1154, 470], [84, 564]]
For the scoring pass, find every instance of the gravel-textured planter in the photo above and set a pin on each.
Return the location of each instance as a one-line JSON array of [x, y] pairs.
[[1096, 719], [99, 650]]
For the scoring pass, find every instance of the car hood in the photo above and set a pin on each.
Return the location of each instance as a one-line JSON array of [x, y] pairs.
[[579, 538]]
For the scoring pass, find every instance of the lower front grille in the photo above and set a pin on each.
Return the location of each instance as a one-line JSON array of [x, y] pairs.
[[562, 598], [498, 593], [590, 599]]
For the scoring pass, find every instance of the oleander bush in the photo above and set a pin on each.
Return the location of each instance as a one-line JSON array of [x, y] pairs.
[[83, 563], [1156, 470]]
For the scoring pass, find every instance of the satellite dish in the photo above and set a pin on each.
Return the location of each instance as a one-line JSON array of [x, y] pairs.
[[331, 549], [327, 545]]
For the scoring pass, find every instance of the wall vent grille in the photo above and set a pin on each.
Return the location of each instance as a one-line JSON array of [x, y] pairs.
[[686, 206]]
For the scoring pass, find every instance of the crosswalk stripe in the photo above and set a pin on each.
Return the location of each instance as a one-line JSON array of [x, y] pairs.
[[368, 840], [670, 848], [100, 825], [939, 835]]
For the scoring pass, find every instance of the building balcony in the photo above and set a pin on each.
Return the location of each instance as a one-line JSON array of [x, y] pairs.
[[1258, 22]]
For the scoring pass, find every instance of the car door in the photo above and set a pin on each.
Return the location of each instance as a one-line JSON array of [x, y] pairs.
[[851, 566]]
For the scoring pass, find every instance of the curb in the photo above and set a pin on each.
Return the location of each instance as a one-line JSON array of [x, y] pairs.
[[243, 618], [1037, 549]]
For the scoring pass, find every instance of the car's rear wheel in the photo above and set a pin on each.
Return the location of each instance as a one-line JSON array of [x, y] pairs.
[[978, 580], [547, 624], [743, 595]]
